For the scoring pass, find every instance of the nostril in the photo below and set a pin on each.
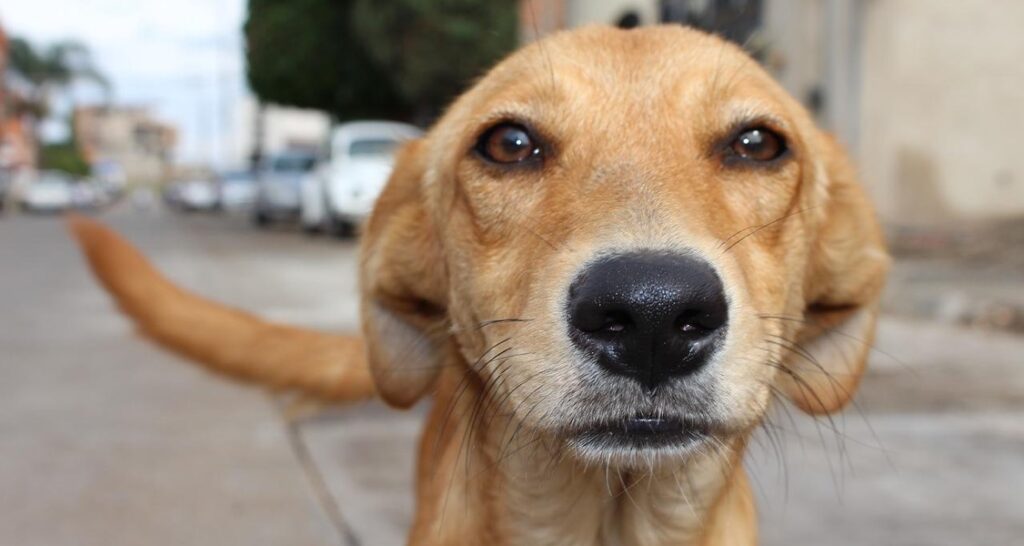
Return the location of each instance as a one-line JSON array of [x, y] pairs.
[[688, 327], [616, 322], [698, 322], [596, 322]]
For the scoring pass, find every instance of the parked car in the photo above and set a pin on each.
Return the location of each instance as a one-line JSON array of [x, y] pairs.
[[278, 185], [195, 194], [6, 181], [340, 194], [199, 195], [50, 192], [237, 190], [85, 195], [312, 203]]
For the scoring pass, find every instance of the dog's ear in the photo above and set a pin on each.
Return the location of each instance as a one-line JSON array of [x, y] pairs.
[[403, 285], [847, 266]]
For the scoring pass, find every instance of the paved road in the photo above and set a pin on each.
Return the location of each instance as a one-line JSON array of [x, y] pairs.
[[105, 440]]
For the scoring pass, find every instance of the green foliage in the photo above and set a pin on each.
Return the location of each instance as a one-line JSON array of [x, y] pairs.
[[47, 70], [302, 53], [370, 58], [37, 67], [63, 157], [434, 48], [54, 66]]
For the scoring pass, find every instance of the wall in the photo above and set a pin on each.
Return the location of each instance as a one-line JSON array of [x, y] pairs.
[[793, 34], [283, 129], [608, 12], [128, 136], [541, 17], [943, 105]]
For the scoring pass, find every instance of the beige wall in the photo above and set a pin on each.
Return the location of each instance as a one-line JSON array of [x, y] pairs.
[[284, 129], [541, 17], [582, 12], [943, 108], [793, 35], [129, 136]]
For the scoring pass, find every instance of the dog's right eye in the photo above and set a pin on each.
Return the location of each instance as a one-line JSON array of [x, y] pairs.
[[508, 144]]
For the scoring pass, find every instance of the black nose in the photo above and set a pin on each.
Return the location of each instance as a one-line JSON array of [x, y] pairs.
[[648, 315]]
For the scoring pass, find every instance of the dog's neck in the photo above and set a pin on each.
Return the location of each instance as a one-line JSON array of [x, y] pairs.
[[481, 476], [567, 502]]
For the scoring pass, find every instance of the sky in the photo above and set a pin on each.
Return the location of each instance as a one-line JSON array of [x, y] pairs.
[[182, 58]]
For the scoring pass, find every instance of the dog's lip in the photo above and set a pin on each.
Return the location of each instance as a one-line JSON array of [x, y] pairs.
[[640, 426], [643, 431]]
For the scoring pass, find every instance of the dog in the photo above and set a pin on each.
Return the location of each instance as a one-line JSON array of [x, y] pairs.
[[603, 262]]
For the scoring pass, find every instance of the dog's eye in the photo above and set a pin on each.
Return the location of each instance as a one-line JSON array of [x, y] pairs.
[[507, 144], [758, 145]]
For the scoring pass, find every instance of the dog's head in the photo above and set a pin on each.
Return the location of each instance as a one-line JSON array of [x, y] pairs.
[[633, 238]]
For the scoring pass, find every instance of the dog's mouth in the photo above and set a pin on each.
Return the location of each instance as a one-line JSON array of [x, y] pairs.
[[641, 433]]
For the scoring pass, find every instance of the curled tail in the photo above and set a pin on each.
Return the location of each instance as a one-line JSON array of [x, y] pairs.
[[225, 340]]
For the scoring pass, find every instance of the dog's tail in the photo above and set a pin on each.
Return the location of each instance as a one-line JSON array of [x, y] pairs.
[[229, 341]]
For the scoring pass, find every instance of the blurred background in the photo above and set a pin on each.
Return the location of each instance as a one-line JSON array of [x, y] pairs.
[[242, 143]]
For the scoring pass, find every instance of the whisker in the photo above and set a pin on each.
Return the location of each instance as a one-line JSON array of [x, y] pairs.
[[753, 230], [460, 389], [487, 323], [873, 347]]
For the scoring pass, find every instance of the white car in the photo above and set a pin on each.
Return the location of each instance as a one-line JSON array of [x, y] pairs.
[[339, 195], [197, 195], [51, 192]]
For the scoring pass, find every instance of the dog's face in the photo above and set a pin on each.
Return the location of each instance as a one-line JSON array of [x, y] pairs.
[[634, 238]]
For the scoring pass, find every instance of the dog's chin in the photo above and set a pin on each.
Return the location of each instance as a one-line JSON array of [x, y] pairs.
[[641, 440]]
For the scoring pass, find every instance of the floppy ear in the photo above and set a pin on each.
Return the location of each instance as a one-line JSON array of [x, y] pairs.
[[846, 273], [403, 286]]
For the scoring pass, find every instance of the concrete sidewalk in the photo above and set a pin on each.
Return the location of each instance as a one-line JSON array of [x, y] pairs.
[[960, 273], [108, 440]]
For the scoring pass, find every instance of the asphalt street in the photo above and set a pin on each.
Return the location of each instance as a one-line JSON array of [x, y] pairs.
[[107, 440]]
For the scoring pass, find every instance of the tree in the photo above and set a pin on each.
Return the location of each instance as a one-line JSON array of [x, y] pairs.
[[400, 59], [64, 156], [48, 71], [302, 53], [52, 69], [434, 48]]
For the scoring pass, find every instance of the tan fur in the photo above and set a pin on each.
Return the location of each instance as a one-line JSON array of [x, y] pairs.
[[465, 267], [228, 341]]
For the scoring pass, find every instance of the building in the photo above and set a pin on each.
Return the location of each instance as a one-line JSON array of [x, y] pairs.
[[540, 17], [17, 143], [4, 54], [922, 92], [125, 139], [942, 96], [270, 129]]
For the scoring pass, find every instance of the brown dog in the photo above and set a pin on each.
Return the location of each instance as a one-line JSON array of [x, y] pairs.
[[601, 262]]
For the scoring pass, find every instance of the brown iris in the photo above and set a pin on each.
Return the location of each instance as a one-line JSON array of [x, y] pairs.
[[508, 144], [758, 145]]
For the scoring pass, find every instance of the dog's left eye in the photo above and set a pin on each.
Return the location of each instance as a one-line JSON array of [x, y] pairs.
[[759, 144], [507, 144]]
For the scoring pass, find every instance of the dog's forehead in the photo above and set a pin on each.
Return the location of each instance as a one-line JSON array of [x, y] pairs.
[[599, 52], [632, 74]]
